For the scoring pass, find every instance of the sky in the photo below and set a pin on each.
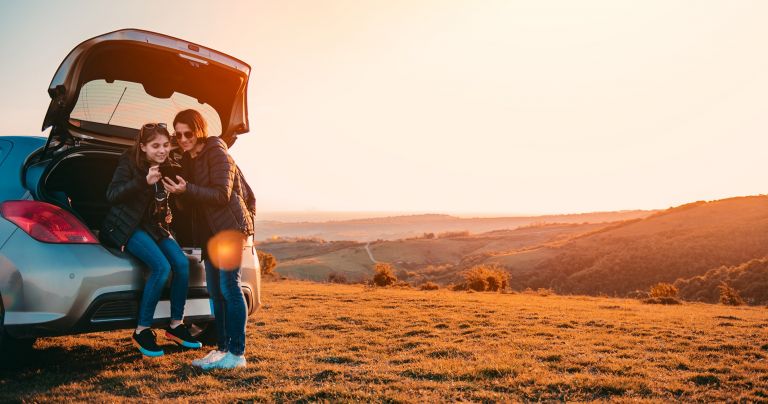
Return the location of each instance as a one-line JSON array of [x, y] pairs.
[[462, 107]]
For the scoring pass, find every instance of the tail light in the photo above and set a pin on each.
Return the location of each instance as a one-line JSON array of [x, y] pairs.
[[47, 223]]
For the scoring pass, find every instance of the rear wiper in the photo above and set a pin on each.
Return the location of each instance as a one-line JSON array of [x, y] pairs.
[[118, 104]]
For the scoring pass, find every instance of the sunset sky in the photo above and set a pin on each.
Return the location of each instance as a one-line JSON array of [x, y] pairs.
[[470, 107]]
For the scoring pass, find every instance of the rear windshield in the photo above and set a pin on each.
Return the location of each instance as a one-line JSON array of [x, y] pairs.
[[126, 104]]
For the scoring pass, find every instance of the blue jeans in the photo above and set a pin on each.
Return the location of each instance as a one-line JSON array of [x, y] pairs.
[[161, 257], [228, 306]]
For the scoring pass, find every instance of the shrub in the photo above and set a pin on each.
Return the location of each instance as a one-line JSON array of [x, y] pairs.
[[545, 291], [486, 277], [335, 277], [638, 294], [429, 286], [384, 276], [729, 296], [267, 262], [663, 290], [662, 300]]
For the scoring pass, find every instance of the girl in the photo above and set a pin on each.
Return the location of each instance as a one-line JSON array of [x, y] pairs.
[[138, 221], [214, 191]]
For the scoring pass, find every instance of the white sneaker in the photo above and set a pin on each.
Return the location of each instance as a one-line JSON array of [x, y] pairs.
[[228, 361], [212, 356]]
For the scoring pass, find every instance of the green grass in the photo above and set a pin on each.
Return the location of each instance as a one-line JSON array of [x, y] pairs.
[[316, 342]]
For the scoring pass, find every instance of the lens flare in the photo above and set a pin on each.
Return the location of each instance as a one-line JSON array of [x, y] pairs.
[[225, 250]]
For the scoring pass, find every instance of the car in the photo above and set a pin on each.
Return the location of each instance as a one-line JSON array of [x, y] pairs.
[[55, 277]]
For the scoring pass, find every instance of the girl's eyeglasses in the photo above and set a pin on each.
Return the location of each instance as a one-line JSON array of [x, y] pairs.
[[149, 126]]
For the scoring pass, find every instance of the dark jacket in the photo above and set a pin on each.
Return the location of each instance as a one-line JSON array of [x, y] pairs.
[[130, 197], [219, 189]]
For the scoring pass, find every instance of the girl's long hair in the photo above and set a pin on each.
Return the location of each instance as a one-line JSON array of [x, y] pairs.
[[145, 136]]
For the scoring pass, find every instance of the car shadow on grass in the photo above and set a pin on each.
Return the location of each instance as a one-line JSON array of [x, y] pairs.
[[39, 370]]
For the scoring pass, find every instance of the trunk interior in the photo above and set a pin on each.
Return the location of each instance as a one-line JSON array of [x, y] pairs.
[[78, 182]]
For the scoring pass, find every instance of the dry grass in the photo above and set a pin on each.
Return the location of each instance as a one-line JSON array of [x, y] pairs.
[[315, 342]]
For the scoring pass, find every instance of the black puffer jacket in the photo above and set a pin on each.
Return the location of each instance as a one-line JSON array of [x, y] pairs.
[[130, 195], [219, 190]]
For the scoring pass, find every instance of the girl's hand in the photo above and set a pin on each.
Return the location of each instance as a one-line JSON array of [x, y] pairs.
[[154, 175], [175, 187]]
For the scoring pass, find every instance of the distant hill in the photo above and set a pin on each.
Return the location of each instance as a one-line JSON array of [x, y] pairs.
[[438, 259], [400, 227], [678, 243], [697, 245]]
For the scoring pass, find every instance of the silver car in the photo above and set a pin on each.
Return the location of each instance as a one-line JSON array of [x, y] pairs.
[[55, 276]]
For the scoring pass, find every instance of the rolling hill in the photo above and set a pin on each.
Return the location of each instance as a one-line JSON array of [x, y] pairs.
[[418, 259], [678, 243], [400, 227], [699, 245]]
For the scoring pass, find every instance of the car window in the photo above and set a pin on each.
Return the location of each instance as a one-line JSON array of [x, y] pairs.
[[124, 103]]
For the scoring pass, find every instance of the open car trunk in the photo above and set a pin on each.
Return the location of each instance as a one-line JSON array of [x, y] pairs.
[[78, 181]]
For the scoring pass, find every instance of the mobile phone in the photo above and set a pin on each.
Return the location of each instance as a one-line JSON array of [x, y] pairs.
[[170, 171]]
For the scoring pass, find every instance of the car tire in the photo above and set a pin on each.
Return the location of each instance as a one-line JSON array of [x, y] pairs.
[[205, 333], [12, 348], [2, 321]]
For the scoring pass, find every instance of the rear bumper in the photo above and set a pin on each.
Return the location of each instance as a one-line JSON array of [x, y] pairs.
[[111, 311], [62, 289]]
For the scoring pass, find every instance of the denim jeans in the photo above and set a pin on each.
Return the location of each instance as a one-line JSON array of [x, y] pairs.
[[161, 257], [228, 306]]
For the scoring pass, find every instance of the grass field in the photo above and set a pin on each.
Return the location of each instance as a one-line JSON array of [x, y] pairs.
[[319, 342]]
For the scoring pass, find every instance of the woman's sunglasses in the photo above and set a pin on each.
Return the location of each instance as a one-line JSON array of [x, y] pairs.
[[187, 135]]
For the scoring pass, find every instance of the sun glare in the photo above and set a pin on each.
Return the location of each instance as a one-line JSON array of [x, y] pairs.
[[225, 249]]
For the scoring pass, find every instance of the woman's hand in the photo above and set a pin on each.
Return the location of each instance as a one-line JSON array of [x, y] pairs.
[[175, 187], [154, 175]]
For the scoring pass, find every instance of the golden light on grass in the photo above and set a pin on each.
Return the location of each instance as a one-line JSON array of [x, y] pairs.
[[351, 343], [225, 249]]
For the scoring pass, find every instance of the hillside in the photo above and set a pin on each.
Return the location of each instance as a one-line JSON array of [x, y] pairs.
[[680, 242], [400, 227], [418, 260], [315, 342], [749, 279], [606, 258]]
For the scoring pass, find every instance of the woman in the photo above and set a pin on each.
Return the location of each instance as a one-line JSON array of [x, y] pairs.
[[214, 190], [138, 222]]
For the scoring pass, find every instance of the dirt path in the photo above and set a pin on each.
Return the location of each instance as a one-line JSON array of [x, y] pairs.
[[370, 254]]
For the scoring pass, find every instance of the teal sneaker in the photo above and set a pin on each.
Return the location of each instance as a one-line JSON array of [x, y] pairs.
[[181, 336], [147, 343]]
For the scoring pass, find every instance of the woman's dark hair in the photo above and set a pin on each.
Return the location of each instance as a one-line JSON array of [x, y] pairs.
[[194, 120], [147, 133]]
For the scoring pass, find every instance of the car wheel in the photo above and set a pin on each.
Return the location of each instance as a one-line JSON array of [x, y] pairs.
[[12, 348], [2, 320], [205, 333]]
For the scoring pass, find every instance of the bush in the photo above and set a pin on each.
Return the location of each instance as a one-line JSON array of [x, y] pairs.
[[663, 290], [662, 300], [429, 286], [384, 276], [335, 277], [638, 294], [545, 292], [267, 262], [729, 296], [485, 278]]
